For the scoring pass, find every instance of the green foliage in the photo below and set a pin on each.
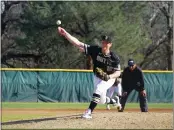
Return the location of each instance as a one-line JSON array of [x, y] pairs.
[[87, 21]]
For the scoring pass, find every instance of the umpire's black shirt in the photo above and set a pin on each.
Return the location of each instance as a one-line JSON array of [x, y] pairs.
[[132, 79]]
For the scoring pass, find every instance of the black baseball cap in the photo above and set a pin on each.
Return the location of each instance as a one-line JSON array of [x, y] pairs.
[[131, 62], [106, 38]]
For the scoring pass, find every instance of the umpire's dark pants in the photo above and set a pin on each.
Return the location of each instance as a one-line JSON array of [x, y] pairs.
[[142, 100]]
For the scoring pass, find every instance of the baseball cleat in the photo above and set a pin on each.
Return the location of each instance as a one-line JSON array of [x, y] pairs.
[[108, 107], [120, 110], [119, 107], [87, 114]]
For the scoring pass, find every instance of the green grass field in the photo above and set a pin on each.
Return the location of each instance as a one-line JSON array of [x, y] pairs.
[[42, 105], [26, 116]]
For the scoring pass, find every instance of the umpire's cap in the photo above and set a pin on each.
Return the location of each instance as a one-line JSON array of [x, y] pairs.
[[131, 62], [106, 38]]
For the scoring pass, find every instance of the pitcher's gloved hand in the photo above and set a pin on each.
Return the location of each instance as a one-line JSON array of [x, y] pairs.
[[101, 74], [106, 77]]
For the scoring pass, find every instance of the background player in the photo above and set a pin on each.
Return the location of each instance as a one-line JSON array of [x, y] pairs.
[[114, 94], [106, 67]]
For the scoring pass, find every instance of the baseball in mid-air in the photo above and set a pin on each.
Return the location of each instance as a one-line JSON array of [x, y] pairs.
[[58, 22]]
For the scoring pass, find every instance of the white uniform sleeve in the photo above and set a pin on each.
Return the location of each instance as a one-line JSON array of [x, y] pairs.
[[86, 46]]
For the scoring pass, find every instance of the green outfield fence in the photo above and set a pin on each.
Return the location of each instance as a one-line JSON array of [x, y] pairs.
[[72, 85]]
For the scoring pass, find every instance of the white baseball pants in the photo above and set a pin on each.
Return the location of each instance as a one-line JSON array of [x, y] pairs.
[[101, 87], [114, 91]]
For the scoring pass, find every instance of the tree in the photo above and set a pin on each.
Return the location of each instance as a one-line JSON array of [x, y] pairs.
[[10, 15], [160, 29], [39, 45]]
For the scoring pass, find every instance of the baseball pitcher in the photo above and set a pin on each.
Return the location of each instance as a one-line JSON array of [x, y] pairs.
[[106, 67]]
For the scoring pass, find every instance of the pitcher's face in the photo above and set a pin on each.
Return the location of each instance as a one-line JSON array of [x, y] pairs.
[[106, 45]]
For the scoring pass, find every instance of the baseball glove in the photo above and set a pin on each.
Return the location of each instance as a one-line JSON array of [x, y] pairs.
[[101, 74]]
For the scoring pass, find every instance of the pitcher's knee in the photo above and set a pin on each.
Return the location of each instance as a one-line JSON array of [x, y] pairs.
[[96, 98]]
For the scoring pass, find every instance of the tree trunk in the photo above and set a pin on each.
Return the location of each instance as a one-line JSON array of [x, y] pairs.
[[169, 47], [169, 57]]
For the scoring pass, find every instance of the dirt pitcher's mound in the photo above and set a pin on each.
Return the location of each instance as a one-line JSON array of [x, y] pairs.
[[104, 120]]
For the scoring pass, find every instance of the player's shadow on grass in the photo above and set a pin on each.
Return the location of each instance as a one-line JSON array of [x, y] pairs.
[[41, 119]]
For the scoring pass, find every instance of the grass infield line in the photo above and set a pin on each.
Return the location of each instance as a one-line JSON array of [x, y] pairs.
[[67, 105]]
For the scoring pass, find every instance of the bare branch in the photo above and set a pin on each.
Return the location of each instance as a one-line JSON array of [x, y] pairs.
[[145, 62], [150, 49], [153, 18]]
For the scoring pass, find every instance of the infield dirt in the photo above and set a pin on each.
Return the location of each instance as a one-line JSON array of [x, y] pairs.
[[102, 119]]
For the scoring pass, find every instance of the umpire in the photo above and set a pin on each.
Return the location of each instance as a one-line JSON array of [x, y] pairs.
[[132, 79]]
